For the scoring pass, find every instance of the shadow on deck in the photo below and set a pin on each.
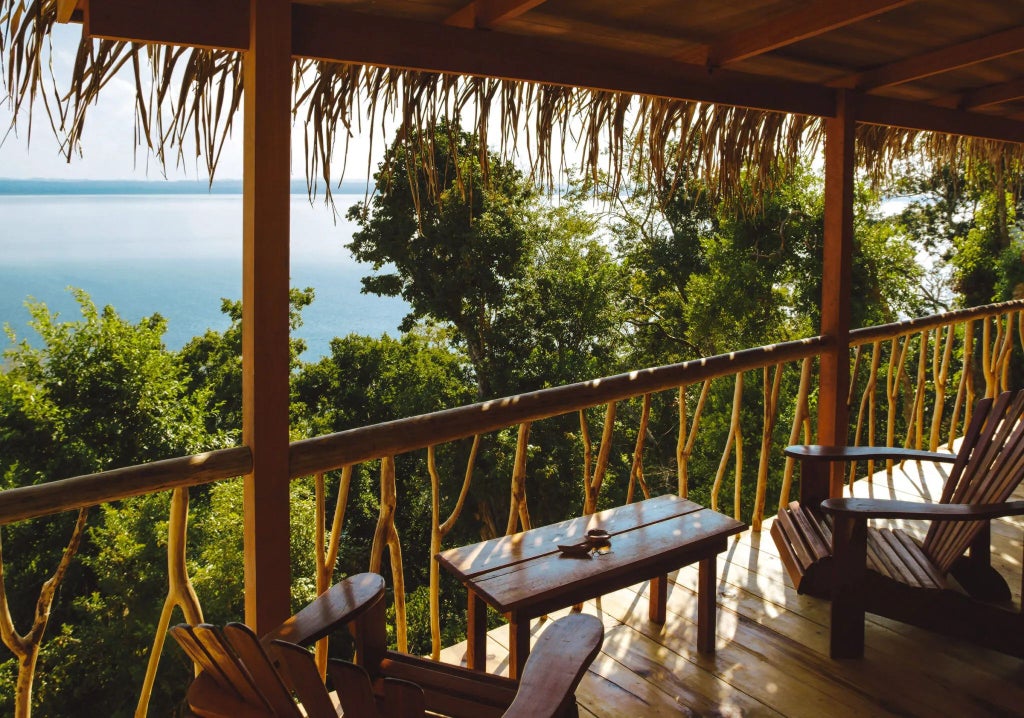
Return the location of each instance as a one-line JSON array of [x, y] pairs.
[[772, 648]]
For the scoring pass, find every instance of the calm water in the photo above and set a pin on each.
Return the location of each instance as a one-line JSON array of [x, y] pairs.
[[176, 255]]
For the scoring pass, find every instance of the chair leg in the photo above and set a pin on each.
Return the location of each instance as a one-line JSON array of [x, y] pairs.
[[849, 560]]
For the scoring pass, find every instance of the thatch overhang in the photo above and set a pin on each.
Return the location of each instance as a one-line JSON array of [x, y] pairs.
[[747, 80]]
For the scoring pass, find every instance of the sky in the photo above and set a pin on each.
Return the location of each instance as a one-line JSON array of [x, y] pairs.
[[108, 149]]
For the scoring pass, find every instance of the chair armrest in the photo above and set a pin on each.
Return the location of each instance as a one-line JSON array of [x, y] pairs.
[[864, 453], [556, 665], [342, 603], [889, 509]]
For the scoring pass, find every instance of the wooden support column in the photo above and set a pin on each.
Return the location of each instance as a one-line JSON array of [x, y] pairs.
[[265, 203], [837, 258]]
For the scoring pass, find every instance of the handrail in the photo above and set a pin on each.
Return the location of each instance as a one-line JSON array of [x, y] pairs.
[[332, 451], [28, 502], [866, 335]]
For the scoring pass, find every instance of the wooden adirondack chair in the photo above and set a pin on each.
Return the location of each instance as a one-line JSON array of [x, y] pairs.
[[831, 551], [243, 676]]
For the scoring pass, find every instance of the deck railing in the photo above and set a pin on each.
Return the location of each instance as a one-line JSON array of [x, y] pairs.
[[912, 366]]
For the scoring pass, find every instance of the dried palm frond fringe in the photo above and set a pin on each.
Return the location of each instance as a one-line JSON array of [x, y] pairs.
[[187, 99]]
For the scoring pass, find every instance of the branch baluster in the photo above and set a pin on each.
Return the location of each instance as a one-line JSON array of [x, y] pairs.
[[603, 456], [386, 536], [801, 421], [684, 445], [26, 648], [519, 512], [735, 437], [327, 554], [636, 472], [770, 414], [180, 593], [437, 534]]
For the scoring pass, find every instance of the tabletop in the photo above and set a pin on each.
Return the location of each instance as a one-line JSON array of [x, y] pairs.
[[527, 569]]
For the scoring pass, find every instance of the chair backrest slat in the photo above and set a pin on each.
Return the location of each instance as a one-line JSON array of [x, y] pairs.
[[993, 468], [210, 638], [355, 692], [183, 634], [970, 440], [262, 668], [305, 680]]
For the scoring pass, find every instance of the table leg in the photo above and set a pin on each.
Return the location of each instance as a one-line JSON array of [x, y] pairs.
[[518, 644], [706, 604], [656, 611], [476, 633]]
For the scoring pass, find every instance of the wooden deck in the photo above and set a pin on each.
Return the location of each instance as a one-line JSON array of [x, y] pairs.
[[772, 648]]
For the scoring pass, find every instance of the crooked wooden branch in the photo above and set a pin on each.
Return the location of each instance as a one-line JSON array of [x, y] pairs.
[[180, 593], [26, 647]]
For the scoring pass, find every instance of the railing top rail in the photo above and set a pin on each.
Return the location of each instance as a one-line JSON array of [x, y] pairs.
[[332, 451], [52, 497], [911, 326]]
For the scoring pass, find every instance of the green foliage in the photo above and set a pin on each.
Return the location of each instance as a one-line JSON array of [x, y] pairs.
[[457, 258], [98, 393], [213, 364]]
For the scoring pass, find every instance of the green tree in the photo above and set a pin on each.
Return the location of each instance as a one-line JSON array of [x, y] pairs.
[[99, 392], [458, 252], [213, 365]]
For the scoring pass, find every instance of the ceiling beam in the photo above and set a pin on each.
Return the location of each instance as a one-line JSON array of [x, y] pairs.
[[338, 35], [888, 112], [811, 19], [992, 95], [938, 61], [484, 14], [221, 24]]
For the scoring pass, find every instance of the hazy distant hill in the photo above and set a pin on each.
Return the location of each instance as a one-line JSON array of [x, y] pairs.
[[142, 187]]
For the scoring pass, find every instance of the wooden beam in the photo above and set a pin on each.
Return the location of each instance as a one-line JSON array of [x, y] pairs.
[[808, 20], [265, 351], [992, 95], [221, 24], [945, 59], [836, 284], [483, 14], [338, 35], [875, 110]]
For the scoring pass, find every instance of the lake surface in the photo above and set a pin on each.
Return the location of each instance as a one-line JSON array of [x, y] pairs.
[[177, 255]]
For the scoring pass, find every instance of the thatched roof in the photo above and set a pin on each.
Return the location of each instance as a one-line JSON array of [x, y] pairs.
[[746, 83]]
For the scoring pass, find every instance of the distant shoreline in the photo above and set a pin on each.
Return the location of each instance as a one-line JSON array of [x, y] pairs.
[[9, 186]]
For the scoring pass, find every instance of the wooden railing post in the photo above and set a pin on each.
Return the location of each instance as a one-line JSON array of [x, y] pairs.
[[836, 286], [265, 208]]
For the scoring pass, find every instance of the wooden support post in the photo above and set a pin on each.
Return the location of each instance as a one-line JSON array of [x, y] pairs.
[[837, 259], [267, 68]]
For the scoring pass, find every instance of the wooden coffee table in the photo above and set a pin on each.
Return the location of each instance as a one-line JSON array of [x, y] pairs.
[[524, 576]]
